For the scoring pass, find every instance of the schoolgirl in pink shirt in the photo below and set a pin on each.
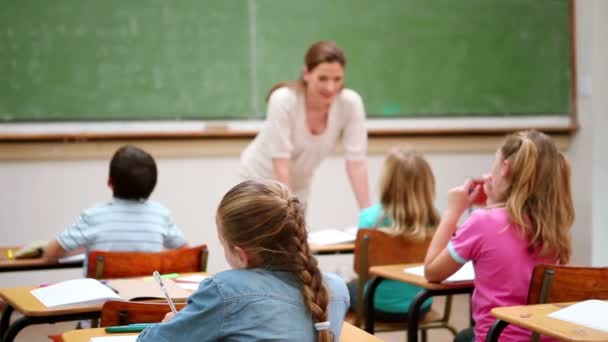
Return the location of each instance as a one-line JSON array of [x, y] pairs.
[[526, 221]]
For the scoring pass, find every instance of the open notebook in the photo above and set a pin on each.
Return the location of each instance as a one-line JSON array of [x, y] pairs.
[[88, 291], [332, 236], [465, 273]]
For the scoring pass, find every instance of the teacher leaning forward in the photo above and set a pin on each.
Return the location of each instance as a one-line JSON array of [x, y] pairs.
[[305, 121]]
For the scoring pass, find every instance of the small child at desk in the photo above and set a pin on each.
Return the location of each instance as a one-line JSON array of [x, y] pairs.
[[526, 222], [274, 290], [130, 222], [406, 208]]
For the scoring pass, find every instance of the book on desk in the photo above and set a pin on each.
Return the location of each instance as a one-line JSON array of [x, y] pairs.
[[87, 291]]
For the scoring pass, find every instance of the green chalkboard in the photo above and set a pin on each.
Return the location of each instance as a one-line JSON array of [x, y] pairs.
[[84, 60]]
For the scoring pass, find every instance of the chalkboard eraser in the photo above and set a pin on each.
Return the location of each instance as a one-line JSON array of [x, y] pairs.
[[221, 127]]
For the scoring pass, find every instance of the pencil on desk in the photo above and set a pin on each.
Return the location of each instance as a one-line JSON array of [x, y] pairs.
[[9, 254]]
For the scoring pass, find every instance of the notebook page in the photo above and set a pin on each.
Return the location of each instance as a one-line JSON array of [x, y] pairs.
[[590, 313], [330, 237], [129, 338], [72, 292], [465, 273]]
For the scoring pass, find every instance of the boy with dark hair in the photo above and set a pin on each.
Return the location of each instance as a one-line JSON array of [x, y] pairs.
[[130, 222]]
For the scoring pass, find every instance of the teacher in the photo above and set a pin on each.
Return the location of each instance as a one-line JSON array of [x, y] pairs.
[[304, 122]]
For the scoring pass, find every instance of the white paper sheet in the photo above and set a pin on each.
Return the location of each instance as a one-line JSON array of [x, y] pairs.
[[72, 292], [71, 258], [191, 279], [188, 286], [331, 237], [590, 313], [465, 273], [130, 338]]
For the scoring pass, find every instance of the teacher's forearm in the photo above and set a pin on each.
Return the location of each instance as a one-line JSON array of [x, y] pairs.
[[281, 170], [357, 173]]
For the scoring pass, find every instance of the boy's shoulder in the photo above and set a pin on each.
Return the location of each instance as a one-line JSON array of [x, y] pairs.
[[119, 204]]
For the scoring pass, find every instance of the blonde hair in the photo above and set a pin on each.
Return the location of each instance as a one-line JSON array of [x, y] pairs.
[[267, 222], [538, 198], [320, 52], [407, 194]]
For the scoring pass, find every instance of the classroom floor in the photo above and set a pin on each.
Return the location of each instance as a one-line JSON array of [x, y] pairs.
[[460, 317]]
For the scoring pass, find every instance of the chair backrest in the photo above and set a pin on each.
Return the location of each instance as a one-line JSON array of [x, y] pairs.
[[375, 247], [559, 283], [102, 264], [118, 312]]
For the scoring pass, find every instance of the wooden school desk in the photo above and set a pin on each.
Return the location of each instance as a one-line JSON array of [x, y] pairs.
[[534, 317], [34, 312], [350, 333], [341, 248], [396, 272], [12, 265]]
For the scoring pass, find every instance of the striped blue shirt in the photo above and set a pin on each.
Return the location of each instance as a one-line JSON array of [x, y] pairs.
[[123, 225]]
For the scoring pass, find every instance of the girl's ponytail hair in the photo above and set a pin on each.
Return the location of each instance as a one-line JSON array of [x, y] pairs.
[[539, 197]]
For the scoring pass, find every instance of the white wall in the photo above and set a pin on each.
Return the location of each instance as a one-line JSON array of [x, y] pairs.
[[39, 198]]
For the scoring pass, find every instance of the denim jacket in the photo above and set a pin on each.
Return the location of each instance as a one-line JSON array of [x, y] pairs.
[[250, 305]]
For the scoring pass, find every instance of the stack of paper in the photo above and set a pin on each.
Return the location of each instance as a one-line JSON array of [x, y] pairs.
[[332, 236], [590, 313], [77, 291], [465, 273]]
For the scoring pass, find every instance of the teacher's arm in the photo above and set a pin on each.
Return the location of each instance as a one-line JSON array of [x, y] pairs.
[[280, 167], [357, 174], [355, 150]]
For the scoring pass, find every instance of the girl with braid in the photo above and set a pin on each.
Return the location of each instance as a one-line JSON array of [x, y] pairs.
[[526, 222], [274, 291]]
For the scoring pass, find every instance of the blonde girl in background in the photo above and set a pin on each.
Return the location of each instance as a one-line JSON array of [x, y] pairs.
[[407, 209], [274, 290], [526, 222]]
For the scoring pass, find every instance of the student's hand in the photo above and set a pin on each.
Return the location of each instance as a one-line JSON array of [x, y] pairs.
[[462, 197], [168, 317]]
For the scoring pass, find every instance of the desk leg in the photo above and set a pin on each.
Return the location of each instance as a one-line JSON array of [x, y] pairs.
[[369, 305], [6, 319], [413, 316], [497, 327], [18, 325]]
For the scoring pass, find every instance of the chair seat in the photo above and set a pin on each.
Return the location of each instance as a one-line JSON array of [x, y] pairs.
[[433, 316]]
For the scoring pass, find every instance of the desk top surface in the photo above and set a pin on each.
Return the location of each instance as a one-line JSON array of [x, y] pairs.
[[396, 272], [534, 317], [24, 302], [349, 333], [10, 264], [335, 248]]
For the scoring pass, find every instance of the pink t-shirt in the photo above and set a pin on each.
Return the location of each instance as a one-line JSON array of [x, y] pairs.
[[503, 267]]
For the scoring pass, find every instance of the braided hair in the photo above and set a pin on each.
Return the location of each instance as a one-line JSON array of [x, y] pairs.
[[265, 220]]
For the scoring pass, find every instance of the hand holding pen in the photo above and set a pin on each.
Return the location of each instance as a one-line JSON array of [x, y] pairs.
[[159, 281]]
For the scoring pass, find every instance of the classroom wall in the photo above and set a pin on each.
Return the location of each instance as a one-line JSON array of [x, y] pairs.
[[39, 198], [600, 124]]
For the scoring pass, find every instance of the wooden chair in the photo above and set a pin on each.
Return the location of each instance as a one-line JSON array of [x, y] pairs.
[[374, 247], [118, 312], [103, 264], [558, 284]]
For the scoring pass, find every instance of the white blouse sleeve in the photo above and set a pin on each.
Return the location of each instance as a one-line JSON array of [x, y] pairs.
[[278, 128], [354, 137]]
